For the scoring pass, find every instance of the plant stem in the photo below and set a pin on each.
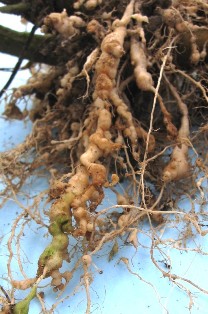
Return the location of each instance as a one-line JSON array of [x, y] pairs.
[[12, 43], [17, 9]]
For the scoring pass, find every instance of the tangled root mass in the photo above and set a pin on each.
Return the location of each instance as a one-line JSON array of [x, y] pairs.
[[129, 105]]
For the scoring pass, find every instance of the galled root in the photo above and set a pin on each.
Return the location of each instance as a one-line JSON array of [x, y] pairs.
[[99, 120]]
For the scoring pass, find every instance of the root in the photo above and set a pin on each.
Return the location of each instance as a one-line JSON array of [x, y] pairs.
[[144, 79], [124, 114], [179, 166], [91, 59]]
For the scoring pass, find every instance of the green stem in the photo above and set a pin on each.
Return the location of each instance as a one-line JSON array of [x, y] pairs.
[[17, 9], [22, 307], [9, 1], [12, 42], [42, 49], [60, 226]]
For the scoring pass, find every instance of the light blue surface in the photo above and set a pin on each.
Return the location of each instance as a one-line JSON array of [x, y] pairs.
[[116, 291]]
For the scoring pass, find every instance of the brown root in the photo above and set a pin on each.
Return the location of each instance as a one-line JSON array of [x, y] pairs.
[[123, 114]]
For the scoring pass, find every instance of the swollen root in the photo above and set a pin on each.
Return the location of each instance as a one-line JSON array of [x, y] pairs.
[[128, 88], [86, 185], [143, 78], [178, 167]]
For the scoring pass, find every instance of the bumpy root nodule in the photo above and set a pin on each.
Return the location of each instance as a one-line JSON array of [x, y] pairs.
[[96, 117]]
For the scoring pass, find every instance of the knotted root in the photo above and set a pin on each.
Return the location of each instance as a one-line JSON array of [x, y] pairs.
[[95, 121]]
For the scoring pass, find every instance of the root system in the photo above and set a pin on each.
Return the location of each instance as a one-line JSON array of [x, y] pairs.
[[129, 107]]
